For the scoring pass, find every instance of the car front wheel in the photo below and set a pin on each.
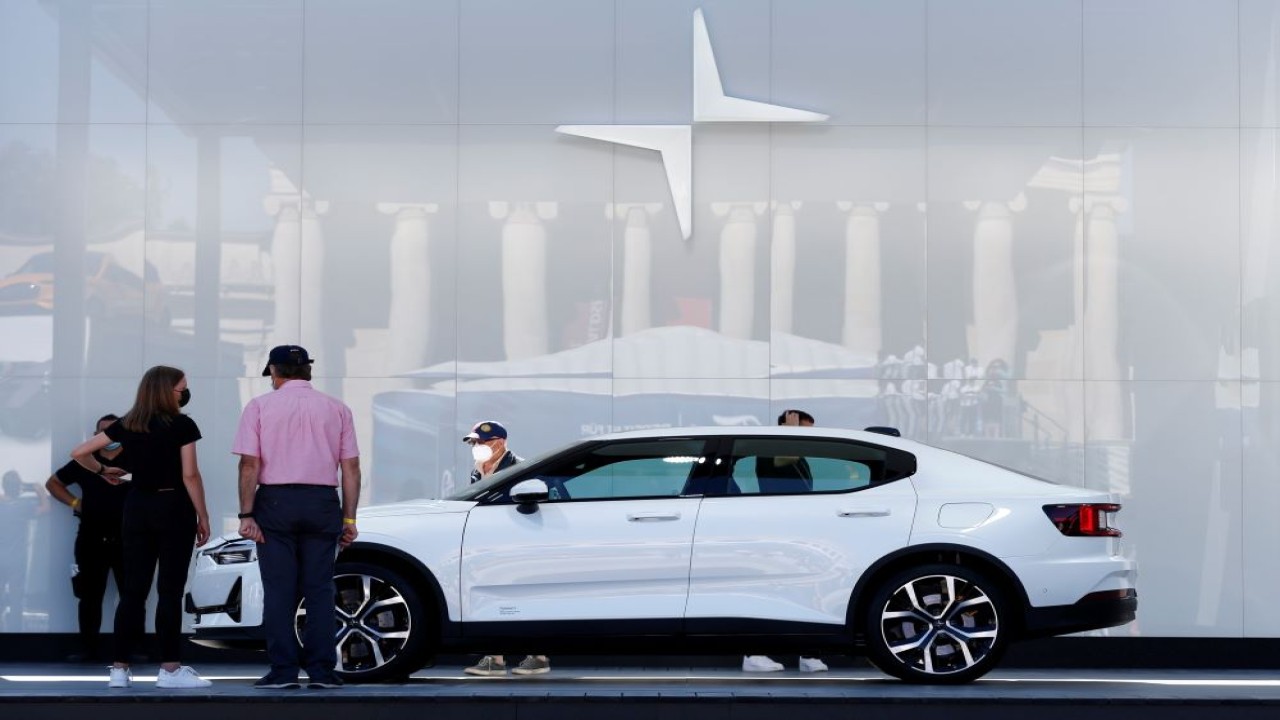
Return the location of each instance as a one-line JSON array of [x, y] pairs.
[[938, 624], [381, 623]]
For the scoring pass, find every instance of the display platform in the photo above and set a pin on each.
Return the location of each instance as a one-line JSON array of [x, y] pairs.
[[60, 691]]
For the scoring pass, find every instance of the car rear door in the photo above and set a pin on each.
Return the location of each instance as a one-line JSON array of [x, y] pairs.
[[785, 544]]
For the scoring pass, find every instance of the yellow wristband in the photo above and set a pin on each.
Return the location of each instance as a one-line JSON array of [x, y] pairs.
[[75, 504], [348, 521]]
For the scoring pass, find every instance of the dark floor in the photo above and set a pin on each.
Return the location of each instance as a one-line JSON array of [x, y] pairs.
[[39, 691], [17, 681]]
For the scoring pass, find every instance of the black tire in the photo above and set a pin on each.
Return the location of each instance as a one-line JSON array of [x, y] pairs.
[[384, 631], [954, 630]]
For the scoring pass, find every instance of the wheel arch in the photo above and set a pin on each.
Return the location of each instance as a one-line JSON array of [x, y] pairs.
[[962, 555], [411, 568]]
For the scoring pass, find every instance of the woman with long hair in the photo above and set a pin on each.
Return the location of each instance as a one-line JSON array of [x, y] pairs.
[[163, 512]]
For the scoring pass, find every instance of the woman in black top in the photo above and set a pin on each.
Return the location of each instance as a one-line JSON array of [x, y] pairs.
[[164, 510]]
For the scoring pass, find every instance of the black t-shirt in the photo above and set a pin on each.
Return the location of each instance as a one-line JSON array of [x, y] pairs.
[[101, 503], [155, 456], [783, 475]]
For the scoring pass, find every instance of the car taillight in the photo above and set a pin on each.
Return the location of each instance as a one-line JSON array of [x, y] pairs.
[[1083, 520]]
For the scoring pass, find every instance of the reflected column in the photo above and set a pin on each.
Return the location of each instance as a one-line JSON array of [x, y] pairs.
[[862, 315], [297, 262], [409, 319], [524, 276], [286, 274], [738, 267], [1102, 316], [782, 277], [637, 266], [995, 301]]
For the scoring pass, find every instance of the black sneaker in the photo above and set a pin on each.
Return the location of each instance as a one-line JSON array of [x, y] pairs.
[[324, 681], [277, 681]]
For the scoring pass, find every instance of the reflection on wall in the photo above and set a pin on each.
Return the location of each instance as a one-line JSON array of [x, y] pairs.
[[1075, 305]]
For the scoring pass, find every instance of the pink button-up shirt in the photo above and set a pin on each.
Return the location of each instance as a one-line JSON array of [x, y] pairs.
[[298, 433]]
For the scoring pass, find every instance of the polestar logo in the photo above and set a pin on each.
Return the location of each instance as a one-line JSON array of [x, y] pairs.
[[675, 142]]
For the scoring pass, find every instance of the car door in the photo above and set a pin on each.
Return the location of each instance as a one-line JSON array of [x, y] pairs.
[[612, 542], [795, 523]]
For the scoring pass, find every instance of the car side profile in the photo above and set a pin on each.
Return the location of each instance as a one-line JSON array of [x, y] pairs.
[[708, 541]]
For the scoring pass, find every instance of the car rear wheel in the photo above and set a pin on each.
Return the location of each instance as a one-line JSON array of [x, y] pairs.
[[382, 626], [938, 624]]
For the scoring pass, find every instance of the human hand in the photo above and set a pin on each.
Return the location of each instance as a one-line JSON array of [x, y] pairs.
[[250, 531], [792, 418], [110, 473], [349, 535], [202, 530]]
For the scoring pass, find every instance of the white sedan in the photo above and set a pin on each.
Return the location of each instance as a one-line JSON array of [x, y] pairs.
[[711, 541]]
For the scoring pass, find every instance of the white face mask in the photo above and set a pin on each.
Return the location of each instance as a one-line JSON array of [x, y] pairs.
[[481, 453]]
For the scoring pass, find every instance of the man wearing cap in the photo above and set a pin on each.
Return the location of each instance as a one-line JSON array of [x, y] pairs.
[[488, 441], [292, 443]]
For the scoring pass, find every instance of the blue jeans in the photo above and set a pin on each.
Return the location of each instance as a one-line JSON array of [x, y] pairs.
[[301, 525]]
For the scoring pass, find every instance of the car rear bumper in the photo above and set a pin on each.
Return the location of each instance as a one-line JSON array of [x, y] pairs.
[[1095, 611]]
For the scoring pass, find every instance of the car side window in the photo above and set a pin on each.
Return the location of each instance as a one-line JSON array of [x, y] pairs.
[[792, 466], [625, 470]]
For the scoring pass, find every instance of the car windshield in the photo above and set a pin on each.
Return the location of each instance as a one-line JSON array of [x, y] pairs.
[[473, 491]]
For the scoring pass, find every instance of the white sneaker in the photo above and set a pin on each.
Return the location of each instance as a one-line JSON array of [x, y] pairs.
[[812, 665], [182, 678], [120, 678], [760, 663]]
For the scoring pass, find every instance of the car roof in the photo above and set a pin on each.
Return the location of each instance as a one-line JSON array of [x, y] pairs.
[[765, 430]]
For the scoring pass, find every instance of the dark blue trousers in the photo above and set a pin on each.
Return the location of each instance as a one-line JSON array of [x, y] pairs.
[[301, 525]]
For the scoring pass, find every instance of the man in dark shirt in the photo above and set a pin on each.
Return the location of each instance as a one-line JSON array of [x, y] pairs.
[[785, 475], [98, 547]]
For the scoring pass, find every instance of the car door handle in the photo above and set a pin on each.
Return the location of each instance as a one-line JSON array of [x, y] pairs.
[[863, 512], [652, 516]]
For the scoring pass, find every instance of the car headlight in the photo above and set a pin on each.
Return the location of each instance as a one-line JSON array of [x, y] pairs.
[[234, 552]]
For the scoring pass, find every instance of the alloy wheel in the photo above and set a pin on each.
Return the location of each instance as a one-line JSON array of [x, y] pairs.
[[373, 623], [940, 624]]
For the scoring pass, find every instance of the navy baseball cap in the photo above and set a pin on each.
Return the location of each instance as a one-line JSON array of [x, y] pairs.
[[287, 355], [485, 431]]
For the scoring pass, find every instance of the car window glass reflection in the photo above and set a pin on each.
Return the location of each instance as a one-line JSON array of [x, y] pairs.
[[625, 470]]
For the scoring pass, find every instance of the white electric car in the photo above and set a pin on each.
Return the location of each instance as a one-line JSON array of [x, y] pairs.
[[710, 541]]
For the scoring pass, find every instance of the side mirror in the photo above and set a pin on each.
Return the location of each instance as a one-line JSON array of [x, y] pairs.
[[528, 492]]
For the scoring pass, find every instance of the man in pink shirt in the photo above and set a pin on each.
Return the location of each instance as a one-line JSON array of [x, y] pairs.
[[292, 443]]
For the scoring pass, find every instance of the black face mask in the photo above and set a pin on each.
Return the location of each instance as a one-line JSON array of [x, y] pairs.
[[185, 397]]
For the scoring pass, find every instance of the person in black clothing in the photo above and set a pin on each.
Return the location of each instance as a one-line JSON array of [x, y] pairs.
[[784, 475], [98, 548], [164, 510]]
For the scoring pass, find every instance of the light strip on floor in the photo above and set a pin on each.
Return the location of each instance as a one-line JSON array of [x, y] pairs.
[[103, 678]]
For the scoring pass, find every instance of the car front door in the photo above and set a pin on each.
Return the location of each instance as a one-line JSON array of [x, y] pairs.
[[796, 522], [612, 542]]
